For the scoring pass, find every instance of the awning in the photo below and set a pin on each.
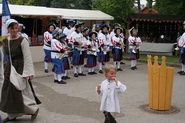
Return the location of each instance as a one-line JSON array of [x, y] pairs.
[[157, 18], [82, 14], [58, 12], [29, 10]]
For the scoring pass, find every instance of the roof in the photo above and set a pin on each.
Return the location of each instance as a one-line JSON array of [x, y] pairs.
[[82, 14], [146, 10], [29, 10], [58, 12], [157, 17]]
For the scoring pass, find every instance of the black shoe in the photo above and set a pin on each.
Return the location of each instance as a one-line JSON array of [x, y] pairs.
[[55, 80], [132, 68], [64, 78], [46, 71], [101, 71], [180, 72], [122, 63], [90, 73], [81, 74], [94, 72], [75, 75], [135, 67], [183, 73], [119, 69], [67, 77], [61, 82], [8, 120]]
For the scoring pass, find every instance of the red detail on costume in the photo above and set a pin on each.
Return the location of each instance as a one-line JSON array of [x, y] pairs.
[[58, 46], [47, 38]]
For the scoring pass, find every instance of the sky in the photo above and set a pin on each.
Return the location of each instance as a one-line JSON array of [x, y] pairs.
[[143, 2]]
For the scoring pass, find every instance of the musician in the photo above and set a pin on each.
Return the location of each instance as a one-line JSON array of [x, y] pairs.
[[181, 49], [92, 46], [78, 59], [68, 31], [134, 45], [118, 44], [181, 44], [22, 33], [64, 57], [47, 45], [85, 33], [104, 41], [57, 50], [112, 34]]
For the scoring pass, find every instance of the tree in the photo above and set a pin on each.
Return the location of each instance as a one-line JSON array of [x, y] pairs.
[[77, 4], [170, 7], [119, 9], [21, 2]]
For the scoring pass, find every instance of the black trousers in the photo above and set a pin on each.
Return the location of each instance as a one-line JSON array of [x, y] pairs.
[[109, 118]]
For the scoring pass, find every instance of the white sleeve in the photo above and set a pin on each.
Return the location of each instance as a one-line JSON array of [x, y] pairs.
[[65, 31], [28, 69], [120, 87], [181, 41]]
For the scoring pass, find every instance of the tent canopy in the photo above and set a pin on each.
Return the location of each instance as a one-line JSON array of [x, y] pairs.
[[58, 12]]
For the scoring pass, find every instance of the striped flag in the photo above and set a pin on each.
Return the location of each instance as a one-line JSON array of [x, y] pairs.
[[5, 16]]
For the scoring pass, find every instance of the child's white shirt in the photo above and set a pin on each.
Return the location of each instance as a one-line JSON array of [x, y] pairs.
[[109, 93]]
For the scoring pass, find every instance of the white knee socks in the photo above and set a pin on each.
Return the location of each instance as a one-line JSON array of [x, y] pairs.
[[45, 65]]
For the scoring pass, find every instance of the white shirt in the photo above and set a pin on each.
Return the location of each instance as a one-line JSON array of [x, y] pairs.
[[68, 31], [76, 37], [112, 34], [181, 42], [47, 38], [56, 46], [24, 35], [94, 48], [104, 39], [117, 39], [132, 40], [109, 93]]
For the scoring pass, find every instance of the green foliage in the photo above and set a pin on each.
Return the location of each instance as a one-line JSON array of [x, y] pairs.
[[21, 2], [176, 7], [119, 9]]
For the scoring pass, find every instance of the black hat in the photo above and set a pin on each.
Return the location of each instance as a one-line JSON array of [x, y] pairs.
[[93, 32], [84, 29], [115, 30], [63, 35], [52, 24], [103, 26], [71, 21], [79, 24], [116, 24]]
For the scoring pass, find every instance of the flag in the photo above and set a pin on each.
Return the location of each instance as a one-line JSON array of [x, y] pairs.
[[5, 17]]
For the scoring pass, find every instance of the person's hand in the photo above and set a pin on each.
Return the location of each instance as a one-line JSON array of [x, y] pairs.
[[116, 81], [30, 78], [66, 52], [99, 89]]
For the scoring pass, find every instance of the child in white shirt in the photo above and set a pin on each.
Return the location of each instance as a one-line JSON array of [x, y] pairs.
[[109, 90]]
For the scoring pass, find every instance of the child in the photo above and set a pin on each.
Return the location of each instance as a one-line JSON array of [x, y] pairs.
[[64, 58], [109, 90], [134, 45], [56, 51], [104, 42], [118, 43], [92, 47]]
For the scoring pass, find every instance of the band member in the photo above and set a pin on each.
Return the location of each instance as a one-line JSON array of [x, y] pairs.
[[92, 46], [134, 45], [118, 44], [85, 33], [47, 45], [96, 28], [78, 58], [57, 50], [68, 31], [21, 28], [104, 41], [64, 57], [181, 44], [112, 34]]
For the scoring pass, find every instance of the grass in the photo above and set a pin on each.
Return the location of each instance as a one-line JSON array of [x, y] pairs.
[[169, 59]]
